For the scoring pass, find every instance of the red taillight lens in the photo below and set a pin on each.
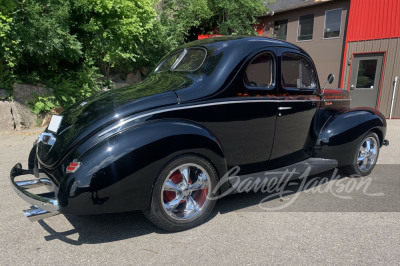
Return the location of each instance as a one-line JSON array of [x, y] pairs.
[[73, 166]]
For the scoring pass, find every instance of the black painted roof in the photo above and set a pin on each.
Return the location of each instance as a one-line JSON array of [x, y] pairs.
[[249, 42]]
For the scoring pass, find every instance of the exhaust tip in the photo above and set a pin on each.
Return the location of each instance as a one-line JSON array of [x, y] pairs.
[[385, 142]]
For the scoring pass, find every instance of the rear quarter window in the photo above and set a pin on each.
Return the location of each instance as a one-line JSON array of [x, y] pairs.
[[192, 60], [189, 59]]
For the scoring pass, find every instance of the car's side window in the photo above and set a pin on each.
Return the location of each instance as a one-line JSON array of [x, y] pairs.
[[259, 73], [297, 73], [191, 61], [168, 62], [183, 60]]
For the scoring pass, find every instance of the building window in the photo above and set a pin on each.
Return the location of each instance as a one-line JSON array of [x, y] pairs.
[[366, 73], [333, 20], [280, 29], [306, 27]]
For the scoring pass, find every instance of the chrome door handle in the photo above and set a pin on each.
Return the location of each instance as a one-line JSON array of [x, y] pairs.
[[284, 108]]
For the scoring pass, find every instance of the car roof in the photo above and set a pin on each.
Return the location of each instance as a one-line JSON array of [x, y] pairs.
[[225, 57], [247, 41]]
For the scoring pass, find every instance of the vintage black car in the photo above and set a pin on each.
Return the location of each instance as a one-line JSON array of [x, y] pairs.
[[163, 145]]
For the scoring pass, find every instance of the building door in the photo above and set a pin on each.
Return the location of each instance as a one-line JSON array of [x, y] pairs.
[[365, 80]]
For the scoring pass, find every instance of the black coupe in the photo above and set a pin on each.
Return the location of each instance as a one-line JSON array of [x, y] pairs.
[[163, 145]]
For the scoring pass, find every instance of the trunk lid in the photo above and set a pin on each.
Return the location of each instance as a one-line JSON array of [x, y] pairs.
[[86, 117]]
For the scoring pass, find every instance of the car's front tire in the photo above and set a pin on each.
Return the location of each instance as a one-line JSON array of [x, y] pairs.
[[182, 194], [365, 157]]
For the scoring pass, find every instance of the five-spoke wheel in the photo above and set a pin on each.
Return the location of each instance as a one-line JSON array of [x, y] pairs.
[[366, 156], [182, 194], [185, 191]]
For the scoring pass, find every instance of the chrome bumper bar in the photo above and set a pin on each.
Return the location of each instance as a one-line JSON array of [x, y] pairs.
[[43, 205]]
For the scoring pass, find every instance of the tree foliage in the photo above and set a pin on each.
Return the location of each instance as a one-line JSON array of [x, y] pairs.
[[236, 17], [7, 42], [112, 32], [74, 46], [179, 16], [182, 17]]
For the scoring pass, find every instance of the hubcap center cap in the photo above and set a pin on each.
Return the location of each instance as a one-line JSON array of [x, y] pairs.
[[186, 192]]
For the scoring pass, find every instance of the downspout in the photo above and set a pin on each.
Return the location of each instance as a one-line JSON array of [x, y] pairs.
[[393, 97]]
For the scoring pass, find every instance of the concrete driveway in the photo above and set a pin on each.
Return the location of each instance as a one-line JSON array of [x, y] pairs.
[[323, 224]]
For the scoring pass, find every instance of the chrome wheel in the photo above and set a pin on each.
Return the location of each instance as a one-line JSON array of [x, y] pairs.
[[185, 191], [367, 154]]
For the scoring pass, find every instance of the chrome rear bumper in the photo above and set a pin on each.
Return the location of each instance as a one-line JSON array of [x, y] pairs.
[[43, 205]]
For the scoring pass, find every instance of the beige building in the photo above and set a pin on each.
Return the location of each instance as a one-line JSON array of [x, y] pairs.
[[356, 40], [309, 19]]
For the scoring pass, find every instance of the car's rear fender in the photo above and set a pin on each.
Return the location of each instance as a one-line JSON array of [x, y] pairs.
[[340, 136], [118, 174]]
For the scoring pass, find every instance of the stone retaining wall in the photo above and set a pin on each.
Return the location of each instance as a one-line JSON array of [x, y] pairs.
[[15, 116]]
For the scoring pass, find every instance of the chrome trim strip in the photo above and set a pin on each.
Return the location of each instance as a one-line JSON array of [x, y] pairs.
[[179, 59], [64, 130], [123, 122], [335, 100], [284, 108]]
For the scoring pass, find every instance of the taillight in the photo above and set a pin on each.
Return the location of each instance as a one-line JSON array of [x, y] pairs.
[[73, 166]]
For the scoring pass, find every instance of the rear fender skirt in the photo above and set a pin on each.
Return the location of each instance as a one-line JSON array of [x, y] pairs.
[[340, 136], [118, 174]]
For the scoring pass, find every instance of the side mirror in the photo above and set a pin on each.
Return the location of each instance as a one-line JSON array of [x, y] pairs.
[[329, 80]]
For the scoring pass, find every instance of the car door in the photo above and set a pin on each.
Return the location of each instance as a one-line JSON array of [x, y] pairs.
[[245, 123], [297, 105]]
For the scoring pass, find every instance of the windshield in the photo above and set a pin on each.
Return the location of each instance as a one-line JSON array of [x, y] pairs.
[[183, 60]]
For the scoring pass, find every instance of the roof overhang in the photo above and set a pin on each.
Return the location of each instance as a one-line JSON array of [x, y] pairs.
[[302, 5]]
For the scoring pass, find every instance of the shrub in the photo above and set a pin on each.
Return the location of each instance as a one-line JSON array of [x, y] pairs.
[[72, 86], [42, 105]]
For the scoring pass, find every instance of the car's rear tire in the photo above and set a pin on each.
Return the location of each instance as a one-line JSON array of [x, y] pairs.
[[181, 195], [365, 157]]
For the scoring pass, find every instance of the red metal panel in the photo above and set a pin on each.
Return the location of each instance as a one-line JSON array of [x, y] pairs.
[[205, 36], [397, 18], [373, 19], [386, 28]]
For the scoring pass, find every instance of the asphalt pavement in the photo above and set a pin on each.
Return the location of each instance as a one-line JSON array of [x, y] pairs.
[[327, 219]]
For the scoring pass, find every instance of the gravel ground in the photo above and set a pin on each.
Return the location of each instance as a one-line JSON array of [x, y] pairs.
[[320, 225]]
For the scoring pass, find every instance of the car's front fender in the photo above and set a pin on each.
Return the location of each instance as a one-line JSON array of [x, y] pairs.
[[340, 136], [118, 173]]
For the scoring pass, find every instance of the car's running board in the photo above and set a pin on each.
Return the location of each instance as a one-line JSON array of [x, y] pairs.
[[301, 169]]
